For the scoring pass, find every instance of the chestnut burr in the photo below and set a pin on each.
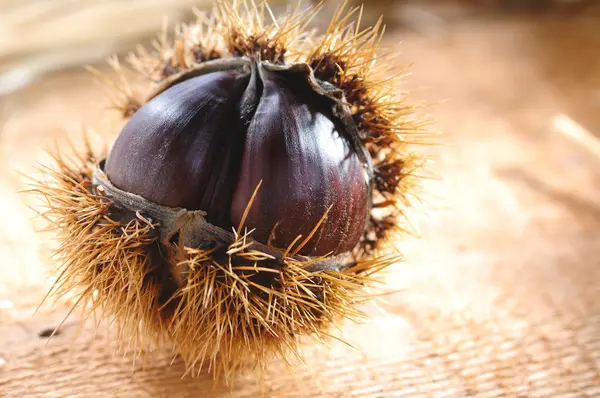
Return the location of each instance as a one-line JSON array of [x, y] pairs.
[[252, 195]]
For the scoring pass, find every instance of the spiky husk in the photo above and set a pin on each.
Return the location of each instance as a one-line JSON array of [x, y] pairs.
[[223, 315], [234, 306]]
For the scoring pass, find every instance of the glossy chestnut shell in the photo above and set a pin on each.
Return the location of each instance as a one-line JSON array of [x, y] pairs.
[[207, 139]]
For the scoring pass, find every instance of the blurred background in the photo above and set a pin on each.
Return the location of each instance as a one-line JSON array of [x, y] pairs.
[[500, 297]]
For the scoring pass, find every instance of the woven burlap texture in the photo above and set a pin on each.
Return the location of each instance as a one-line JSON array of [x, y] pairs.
[[501, 297]]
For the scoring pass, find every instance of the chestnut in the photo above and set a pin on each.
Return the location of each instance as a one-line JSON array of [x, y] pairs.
[[251, 196], [206, 142]]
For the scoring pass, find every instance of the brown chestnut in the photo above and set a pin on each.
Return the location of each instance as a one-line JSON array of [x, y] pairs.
[[206, 142], [249, 197]]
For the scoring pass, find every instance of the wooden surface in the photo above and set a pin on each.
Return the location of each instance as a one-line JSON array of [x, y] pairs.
[[500, 297]]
